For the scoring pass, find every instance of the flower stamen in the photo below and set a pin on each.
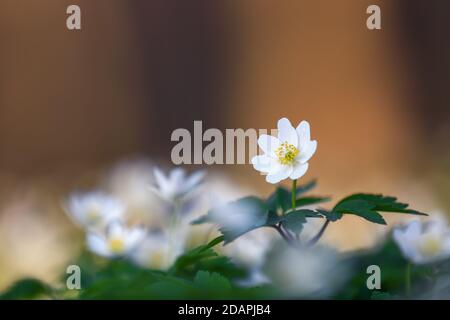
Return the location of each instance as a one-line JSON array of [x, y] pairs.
[[116, 245], [286, 153]]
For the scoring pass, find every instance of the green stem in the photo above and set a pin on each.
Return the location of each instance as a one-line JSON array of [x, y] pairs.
[[294, 193], [408, 279]]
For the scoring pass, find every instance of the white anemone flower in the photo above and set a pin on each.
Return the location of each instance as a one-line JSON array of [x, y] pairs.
[[287, 155], [157, 252], [118, 240], [306, 272], [423, 243], [94, 209], [176, 186]]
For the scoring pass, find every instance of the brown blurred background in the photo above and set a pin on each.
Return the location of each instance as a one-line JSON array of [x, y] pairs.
[[73, 103]]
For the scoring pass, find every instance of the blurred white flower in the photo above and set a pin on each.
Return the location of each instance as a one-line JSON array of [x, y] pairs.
[[250, 251], [307, 272], [286, 156], [93, 209], [177, 186], [424, 242], [118, 240], [157, 252], [128, 181]]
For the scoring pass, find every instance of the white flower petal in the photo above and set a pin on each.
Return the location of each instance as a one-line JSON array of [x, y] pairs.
[[263, 163], [413, 231], [303, 131], [177, 176], [116, 229], [97, 245], [308, 151], [399, 237], [281, 174], [268, 144], [161, 180], [287, 133], [298, 171], [193, 180], [134, 238]]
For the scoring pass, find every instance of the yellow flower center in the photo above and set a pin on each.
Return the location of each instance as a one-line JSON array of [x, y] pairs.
[[93, 215], [431, 246], [116, 245], [286, 153]]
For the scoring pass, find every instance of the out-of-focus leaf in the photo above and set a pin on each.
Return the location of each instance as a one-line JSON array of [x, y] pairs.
[[307, 201], [280, 200], [26, 289], [205, 258], [302, 189], [212, 282]]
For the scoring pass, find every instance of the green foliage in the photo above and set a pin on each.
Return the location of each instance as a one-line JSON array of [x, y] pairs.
[[205, 258], [27, 289], [368, 206], [360, 208], [251, 213], [202, 273]]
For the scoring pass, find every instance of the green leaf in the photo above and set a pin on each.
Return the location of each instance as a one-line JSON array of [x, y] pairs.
[[195, 255], [302, 189], [382, 203], [212, 282], [330, 215], [360, 208], [368, 206], [26, 289], [280, 200], [273, 218], [306, 201], [294, 220]]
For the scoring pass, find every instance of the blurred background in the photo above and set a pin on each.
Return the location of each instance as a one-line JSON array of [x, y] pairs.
[[74, 105]]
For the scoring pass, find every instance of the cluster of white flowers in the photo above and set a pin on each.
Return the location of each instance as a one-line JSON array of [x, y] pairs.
[[307, 272], [106, 220]]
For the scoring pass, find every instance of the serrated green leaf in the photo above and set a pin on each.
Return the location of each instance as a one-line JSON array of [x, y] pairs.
[[382, 203], [360, 208]]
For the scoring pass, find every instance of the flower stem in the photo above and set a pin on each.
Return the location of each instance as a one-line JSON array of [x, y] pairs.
[[286, 236], [319, 234], [294, 193], [408, 279]]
